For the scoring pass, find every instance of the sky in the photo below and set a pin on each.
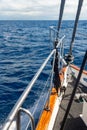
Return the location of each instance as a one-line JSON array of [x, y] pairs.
[[39, 9]]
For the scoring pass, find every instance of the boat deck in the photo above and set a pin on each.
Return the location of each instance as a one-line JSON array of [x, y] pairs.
[[74, 122]]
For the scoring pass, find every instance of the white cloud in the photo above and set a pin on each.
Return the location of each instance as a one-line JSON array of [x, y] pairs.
[[39, 9]]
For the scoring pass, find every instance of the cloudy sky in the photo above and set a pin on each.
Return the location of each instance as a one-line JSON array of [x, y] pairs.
[[39, 9]]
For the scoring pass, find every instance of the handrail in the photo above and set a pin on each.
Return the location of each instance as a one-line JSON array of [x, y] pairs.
[[61, 58], [20, 101], [55, 32], [24, 94], [60, 41], [53, 28], [30, 115]]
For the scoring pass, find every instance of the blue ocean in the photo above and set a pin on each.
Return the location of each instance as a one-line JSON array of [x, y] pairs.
[[24, 45]]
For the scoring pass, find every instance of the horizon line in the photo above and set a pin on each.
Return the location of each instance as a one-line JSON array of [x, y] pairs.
[[40, 20]]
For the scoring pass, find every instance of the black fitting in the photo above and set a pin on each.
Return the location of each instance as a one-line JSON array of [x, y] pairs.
[[69, 58], [55, 43]]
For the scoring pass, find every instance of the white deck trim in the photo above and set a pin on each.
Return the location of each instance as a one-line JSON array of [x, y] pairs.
[[57, 103], [54, 113]]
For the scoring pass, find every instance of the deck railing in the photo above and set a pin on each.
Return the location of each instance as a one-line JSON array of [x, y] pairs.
[[16, 111]]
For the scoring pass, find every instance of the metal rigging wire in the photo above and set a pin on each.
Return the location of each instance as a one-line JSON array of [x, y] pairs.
[[60, 16], [75, 24], [36, 106]]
